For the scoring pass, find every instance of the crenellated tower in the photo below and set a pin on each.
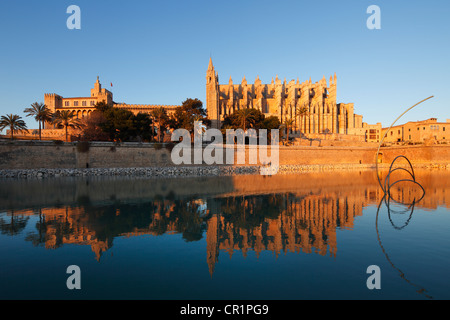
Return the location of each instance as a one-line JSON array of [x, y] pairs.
[[101, 94]]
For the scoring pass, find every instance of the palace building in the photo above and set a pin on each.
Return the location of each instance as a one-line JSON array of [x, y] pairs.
[[83, 106], [419, 132], [284, 99]]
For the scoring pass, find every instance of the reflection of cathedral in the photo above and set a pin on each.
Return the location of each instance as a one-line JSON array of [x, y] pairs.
[[304, 217], [306, 224]]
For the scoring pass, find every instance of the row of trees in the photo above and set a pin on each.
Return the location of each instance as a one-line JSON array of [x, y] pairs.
[[116, 124], [108, 123], [42, 114], [253, 118]]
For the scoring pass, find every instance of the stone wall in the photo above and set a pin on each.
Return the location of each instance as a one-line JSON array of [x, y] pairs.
[[37, 155]]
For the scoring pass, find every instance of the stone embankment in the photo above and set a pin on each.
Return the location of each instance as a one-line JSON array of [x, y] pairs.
[[189, 171]]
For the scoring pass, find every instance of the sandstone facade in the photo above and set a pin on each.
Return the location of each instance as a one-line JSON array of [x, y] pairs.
[[284, 99], [84, 106], [426, 131]]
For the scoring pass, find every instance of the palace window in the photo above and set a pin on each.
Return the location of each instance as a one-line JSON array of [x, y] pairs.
[[84, 103], [92, 103], [75, 103], [66, 103]]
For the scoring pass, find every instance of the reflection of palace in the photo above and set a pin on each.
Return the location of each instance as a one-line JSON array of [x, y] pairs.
[[62, 226]]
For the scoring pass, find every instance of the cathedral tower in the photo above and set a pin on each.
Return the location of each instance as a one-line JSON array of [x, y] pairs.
[[212, 95]]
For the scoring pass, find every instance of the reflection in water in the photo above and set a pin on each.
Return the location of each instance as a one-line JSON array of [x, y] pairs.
[[284, 222], [232, 215], [410, 210], [13, 225], [407, 205], [278, 214]]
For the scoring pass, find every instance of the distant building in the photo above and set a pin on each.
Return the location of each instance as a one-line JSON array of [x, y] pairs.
[[372, 132], [83, 106], [419, 132]]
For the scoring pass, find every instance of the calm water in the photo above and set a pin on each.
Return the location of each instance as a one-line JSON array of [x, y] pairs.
[[309, 236]]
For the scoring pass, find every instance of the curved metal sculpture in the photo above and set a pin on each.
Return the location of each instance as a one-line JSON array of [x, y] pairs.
[[382, 140], [387, 198]]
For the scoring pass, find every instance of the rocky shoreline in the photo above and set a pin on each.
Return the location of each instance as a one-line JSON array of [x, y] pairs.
[[188, 171]]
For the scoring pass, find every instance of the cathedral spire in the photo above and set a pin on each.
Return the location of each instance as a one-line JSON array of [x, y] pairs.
[[210, 66]]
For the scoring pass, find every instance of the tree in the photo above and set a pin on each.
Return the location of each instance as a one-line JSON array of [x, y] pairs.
[[66, 119], [92, 127], [41, 114], [162, 120], [143, 123], [244, 118], [288, 123], [191, 110], [301, 112], [102, 106], [14, 122], [119, 124], [270, 123]]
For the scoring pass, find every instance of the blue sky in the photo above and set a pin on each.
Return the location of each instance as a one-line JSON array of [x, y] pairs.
[[157, 52]]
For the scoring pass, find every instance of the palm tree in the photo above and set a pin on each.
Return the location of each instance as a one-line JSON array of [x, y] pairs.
[[14, 122], [247, 116], [288, 123], [160, 116], [41, 114], [301, 112], [67, 120], [326, 132]]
